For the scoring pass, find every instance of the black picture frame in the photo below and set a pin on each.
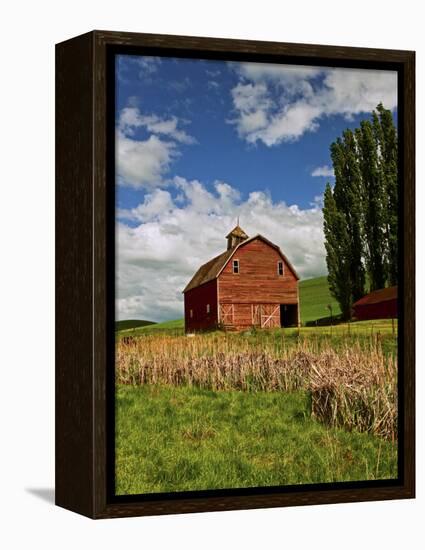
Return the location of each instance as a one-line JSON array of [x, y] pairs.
[[85, 274]]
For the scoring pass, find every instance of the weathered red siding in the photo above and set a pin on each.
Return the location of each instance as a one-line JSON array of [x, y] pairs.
[[197, 300], [251, 296], [258, 280], [255, 296], [380, 310]]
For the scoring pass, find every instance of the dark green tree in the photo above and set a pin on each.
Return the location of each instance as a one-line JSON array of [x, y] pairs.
[[337, 244], [373, 205], [361, 211], [387, 143], [348, 201]]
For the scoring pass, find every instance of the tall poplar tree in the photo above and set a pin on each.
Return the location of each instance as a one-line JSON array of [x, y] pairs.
[[337, 244], [348, 201], [388, 146], [373, 205], [361, 211]]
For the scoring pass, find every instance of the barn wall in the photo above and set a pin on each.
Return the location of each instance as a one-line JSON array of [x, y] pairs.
[[243, 315], [258, 281], [381, 310], [197, 300], [247, 315]]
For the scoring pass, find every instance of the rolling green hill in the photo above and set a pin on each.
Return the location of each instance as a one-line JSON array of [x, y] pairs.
[[314, 298], [132, 323], [176, 326]]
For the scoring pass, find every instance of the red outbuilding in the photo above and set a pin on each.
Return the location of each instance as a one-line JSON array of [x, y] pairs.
[[379, 304], [251, 284]]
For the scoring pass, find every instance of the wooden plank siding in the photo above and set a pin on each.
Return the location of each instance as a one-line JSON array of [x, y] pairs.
[[197, 299], [258, 281], [250, 297], [258, 315]]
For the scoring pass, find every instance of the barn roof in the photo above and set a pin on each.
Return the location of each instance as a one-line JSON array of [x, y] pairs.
[[212, 269], [209, 271], [237, 232], [377, 296]]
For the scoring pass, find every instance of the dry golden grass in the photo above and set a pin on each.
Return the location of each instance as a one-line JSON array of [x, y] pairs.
[[353, 386]]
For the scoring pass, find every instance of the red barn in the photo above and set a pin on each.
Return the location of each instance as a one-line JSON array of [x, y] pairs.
[[251, 284], [380, 304]]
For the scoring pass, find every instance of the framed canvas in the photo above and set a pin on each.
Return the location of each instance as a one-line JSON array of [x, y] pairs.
[[235, 274]]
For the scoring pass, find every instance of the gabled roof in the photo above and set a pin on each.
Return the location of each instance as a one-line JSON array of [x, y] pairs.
[[212, 269], [377, 296], [209, 271]]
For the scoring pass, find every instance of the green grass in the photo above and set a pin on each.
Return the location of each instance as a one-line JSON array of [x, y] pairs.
[[170, 327], [314, 299], [176, 439], [131, 323]]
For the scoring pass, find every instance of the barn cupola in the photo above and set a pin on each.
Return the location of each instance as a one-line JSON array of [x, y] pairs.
[[236, 236]]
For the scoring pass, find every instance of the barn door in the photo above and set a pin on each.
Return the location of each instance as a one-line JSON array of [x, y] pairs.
[[226, 314], [256, 314], [270, 315], [265, 315]]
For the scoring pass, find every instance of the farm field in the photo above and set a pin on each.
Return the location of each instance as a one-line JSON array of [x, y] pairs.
[[314, 299], [131, 324], [186, 438], [256, 408]]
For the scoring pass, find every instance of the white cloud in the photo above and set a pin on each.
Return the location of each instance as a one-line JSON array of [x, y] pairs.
[[148, 64], [144, 162], [278, 103], [290, 77], [323, 172], [213, 73], [252, 104], [131, 119], [142, 66], [174, 237], [213, 85]]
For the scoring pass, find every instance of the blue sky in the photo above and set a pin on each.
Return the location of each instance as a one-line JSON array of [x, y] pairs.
[[202, 142]]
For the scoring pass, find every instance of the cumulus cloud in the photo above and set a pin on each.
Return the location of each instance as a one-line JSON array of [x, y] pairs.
[[323, 172], [143, 162], [174, 236], [252, 104], [278, 103]]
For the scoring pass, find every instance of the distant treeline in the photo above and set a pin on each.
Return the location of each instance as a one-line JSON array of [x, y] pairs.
[[361, 210]]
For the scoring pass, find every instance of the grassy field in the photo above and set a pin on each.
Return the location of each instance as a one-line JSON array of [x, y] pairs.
[[131, 324], [168, 327], [186, 438], [259, 407], [314, 299]]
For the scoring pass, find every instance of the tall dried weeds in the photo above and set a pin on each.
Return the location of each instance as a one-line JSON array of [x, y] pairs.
[[354, 387]]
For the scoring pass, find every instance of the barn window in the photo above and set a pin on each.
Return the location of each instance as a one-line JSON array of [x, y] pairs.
[[235, 266], [208, 308], [191, 313], [280, 268]]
